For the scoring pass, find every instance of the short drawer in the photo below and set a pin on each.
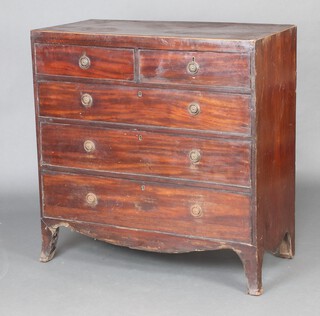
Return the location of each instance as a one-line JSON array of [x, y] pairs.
[[199, 68], [85, 62], [196, 110], [178, 210], [141, 152]]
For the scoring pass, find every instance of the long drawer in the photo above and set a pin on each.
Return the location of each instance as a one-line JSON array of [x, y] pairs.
[[142, 152], [196, 110], [84, 62], [177, 210]]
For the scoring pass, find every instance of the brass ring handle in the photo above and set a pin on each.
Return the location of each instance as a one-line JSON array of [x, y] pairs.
[[196, 210], [193, 67], [194, 156], [89, 146], [91, 199], [194, 109], [84, 62], [86, 100]]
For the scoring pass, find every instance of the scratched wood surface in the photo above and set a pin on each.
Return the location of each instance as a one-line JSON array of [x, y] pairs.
[[219, 69], [143, 239], [168, 35]]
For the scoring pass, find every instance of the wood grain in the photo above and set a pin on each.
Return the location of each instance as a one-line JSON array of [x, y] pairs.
[[157, 107], [218, 69], [141, 152], [149, 206], [63, 60]]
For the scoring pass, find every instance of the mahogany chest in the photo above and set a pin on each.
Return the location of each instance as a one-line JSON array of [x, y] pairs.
[[168, 136]]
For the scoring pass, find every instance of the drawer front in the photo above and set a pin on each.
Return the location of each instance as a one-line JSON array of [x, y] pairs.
[[212, 69], [171, 209], [140, 152], [171, 108], [83, 61]]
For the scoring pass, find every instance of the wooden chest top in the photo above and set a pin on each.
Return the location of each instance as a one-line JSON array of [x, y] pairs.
[[185, 30], [162, 34]]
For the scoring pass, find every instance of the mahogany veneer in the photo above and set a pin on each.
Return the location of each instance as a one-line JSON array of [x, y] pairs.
[[168, 136]]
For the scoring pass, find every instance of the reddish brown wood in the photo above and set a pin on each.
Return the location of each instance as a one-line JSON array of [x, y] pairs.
[[252, 258], [156, 107], [219, 69], [64, 60], [148, 240], [244, 182], [145, 177], [149, 206], [141, 152], [275, 155]]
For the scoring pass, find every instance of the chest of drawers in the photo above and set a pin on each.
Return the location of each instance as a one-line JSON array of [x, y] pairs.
[[168, 136]]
